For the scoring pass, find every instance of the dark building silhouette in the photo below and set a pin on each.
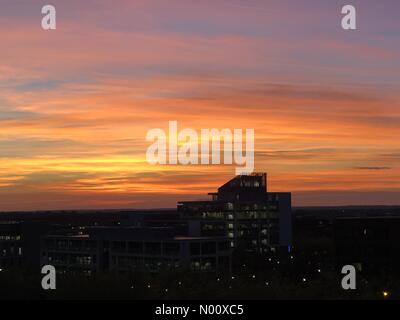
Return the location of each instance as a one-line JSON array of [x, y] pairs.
[[20, 243], [242, 209], [130, 249], [199, 235], [10, 245]]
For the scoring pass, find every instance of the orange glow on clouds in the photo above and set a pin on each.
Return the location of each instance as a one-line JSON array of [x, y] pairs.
[[75, 105]]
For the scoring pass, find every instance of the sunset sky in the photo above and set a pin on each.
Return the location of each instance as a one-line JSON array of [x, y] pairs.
[[76, 103]]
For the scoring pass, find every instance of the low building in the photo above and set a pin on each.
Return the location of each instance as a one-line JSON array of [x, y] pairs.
[[10, 245], [130, 249], [20, 244], [199, 235]]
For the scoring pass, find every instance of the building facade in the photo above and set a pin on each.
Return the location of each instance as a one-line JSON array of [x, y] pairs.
[[134, 249], [10, 245], [253, 219], [199, 236]]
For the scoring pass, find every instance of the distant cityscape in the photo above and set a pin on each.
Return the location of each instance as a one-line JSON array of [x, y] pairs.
[[242, 229]]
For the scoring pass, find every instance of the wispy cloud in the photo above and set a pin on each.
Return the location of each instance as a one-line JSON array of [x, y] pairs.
[[373, 168], [75, 104]]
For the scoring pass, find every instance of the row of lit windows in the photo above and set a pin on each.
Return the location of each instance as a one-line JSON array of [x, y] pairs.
[[65, 259], [10, 237], [73, 245], [11, 251], [148, 263]]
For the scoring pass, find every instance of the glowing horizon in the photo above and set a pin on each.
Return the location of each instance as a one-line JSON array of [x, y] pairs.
[[76, 103]]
